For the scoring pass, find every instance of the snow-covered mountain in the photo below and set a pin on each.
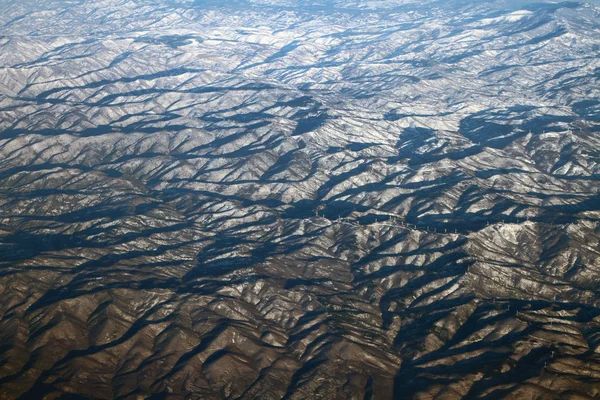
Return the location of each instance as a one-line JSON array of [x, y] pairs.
[[290, 199]]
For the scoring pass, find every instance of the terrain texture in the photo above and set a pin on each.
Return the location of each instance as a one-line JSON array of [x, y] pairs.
[[298, 200]]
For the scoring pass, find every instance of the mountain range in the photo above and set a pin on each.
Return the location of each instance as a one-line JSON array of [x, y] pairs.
[[261, 199]]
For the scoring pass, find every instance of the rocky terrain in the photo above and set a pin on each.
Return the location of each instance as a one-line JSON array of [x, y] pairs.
[[265, 200]]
